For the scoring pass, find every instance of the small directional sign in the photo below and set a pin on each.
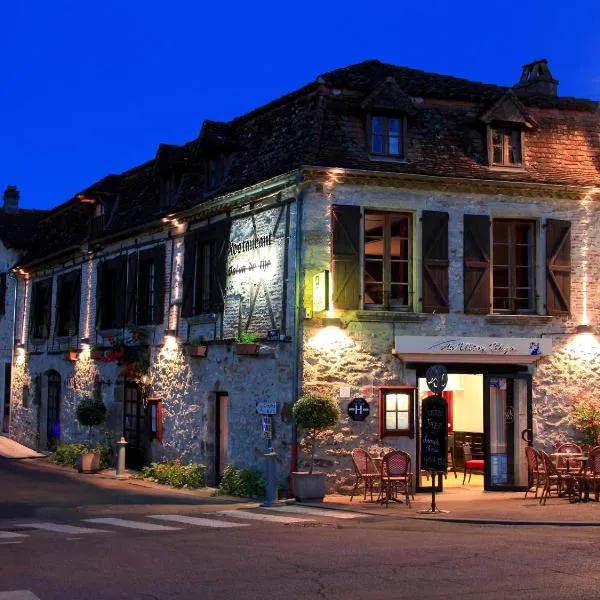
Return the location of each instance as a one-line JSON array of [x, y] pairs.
[[267, 407], [358, 409]]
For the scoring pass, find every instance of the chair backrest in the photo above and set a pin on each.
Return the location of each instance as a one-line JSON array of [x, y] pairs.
[[363, 463], [548, 464], [594, 461], [450, 440], [532, 459], [568, 447], [467, 454], [396, 464]]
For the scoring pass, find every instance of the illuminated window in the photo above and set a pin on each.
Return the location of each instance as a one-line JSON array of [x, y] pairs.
[[396, 407], [513, 266], [388, 260], [506, 147], [387, 136]]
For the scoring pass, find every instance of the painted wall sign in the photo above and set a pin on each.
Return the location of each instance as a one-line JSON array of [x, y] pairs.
[[409, 344], [434, 434], [320, 290], [436, 378], [267, 407], [358, 409]]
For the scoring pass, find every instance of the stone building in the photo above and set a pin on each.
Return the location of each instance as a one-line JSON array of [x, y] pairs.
[[365, 227]]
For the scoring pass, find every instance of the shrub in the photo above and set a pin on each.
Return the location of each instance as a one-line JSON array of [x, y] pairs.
[[245, 483], [91, 412], [66, 454], [314, 413], [586, 414], [175, 474], [246, 337]]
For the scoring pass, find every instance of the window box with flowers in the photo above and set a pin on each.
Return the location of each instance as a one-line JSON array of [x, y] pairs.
[[245, 343], [72, 355], [196, 348]]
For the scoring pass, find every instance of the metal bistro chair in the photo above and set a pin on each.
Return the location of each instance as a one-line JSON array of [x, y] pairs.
[[396, 476], [536, 474], [365, 472], [593, 472], [563, 482], [471, 463], [565, 464]]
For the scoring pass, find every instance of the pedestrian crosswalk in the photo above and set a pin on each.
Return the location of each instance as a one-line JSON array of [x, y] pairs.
[[18, 533]]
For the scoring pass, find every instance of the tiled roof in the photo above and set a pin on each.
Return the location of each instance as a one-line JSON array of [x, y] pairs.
[[323, 124], [16, 228]]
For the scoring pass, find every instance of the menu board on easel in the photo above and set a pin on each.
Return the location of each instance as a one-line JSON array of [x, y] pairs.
[[434, 439]]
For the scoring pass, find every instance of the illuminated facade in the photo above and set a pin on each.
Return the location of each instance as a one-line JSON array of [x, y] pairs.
[[441, 221]]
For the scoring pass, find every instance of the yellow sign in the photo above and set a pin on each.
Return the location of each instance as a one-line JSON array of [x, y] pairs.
[[321, 291]]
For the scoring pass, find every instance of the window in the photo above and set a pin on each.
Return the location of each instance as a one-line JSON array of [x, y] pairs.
[[506, 147], [215, 171], [204, 270], [97, 222], [169, 186], [388, 260], [111, 293], [41, 299], [67, 303], [513, 276], [387, 136], [2, 294], [396, 408], [148, 293]]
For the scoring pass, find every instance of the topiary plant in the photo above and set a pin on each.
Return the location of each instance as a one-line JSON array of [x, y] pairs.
[[314, 413], [91, 412]]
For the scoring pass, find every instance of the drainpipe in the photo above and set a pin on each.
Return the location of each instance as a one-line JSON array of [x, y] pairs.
[[12, 275], [297, 319]]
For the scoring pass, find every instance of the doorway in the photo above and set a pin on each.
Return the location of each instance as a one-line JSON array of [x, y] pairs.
[[221, 435], [490, 412], [134, 426], [53, 414], [6, 402]]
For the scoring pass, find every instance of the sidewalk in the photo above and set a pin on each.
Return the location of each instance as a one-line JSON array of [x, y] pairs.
[[15, 451]]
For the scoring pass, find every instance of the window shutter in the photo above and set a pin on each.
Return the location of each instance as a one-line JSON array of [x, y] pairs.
[[219, 266], [132, 291], [99, 293], [435, 262], [47, 307], [476, 248], [120, 291], [189, 263], [76, 298], [558, 267], [2, 294], [345, 260], [159, 265]]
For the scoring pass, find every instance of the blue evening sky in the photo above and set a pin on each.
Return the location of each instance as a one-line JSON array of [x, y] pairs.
[[90, 88]]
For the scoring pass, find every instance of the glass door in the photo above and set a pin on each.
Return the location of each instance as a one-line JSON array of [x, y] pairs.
[[507, 422]]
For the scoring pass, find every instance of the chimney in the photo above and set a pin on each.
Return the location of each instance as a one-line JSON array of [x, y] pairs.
[[11, 199], [537, 79]]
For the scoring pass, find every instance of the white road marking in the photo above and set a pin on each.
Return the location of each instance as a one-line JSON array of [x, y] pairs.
[[132, 524], [10, 534], [61, 528], [6, 543], [256, 516], [202, 522], [321, 512], [18, 595]]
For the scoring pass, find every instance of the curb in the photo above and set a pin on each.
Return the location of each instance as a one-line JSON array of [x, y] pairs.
[[492, 521]]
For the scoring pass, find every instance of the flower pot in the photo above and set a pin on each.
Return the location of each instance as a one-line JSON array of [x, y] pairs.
[[197, 351], [247, 349], [309, 487], [72, 355], [88, 462]]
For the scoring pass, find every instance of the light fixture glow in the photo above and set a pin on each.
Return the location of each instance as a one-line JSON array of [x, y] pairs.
[[330, 338]]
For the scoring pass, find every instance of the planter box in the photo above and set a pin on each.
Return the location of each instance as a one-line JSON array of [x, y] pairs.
[[247, 349], [197, 351], [72, 355], [88, 462], [309, 487]]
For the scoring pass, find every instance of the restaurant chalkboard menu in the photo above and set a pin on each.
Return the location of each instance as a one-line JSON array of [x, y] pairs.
[[434, 434]]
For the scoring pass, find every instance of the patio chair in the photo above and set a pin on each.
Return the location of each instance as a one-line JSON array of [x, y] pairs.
[[562, 481], [396, 476], [471, 463], [563, 463], [536, 474], [593, 472], [365, 471]]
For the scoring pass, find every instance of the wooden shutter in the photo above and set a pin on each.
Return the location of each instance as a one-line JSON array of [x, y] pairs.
[[2, 294], [121, 290], [75, 300], [558, 267], [218, 277], [345, 259], [476, 248], [435, 262], [159, 265], [189, 265], [132, 289], [99, 294]]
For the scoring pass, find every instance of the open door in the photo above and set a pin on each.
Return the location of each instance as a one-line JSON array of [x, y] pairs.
[[508, 430]]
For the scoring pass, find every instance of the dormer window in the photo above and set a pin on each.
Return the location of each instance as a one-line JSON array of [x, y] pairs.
[[169, 186], [97, 223], [215, 171], [506, 147], [387, 136]]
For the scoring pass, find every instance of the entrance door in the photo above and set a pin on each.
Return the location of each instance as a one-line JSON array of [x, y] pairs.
[[221, 435], [53, 417], [134, 427], [507, 423], [6, 406]]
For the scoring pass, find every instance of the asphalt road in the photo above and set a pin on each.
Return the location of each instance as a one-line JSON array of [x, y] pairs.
[[367, 557]]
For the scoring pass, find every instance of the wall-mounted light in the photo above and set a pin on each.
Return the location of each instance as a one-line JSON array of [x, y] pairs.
[[584, 329], [85, 199], [171, 220], [85, 340], [332, 322], [20, 346], [170, 332]]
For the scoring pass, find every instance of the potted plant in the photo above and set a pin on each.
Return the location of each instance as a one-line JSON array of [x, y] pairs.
[[246, 343], [72, 354], [91, 412], [196, 349], [313, 413]]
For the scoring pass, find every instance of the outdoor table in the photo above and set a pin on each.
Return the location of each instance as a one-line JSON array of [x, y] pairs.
[[568, 455]]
